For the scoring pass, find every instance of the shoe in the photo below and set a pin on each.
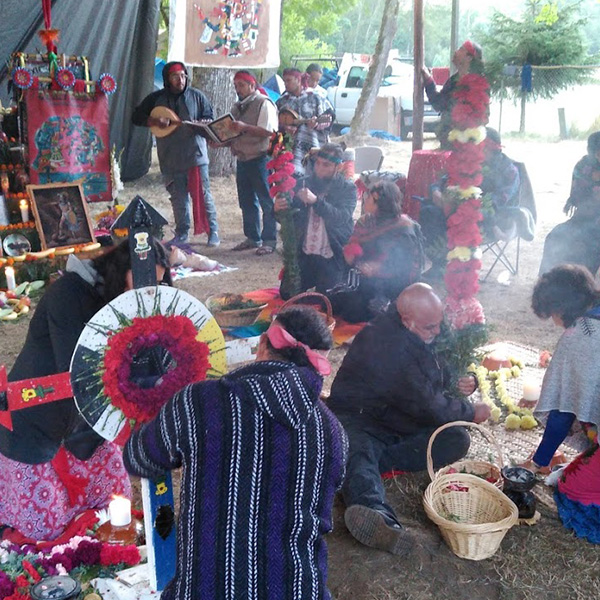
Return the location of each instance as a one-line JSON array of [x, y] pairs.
[[214, 241], [178, 240], [246, 245], [370, 527], [265, 250]]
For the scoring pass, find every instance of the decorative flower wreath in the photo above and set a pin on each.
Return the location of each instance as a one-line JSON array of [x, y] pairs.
[[22, 78], [107, 84], [462, 200], [110, 394], [65, 78], [173, 334]]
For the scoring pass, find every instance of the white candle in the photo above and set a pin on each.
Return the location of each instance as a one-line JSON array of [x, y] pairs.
[[119, 510], [531, 390], [24, 211], [9, 273]]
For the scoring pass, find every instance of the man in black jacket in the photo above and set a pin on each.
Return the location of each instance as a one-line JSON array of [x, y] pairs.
[[324, 203], [182, 155], [391, 393]]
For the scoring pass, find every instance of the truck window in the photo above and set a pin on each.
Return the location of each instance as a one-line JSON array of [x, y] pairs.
[[356, 77]]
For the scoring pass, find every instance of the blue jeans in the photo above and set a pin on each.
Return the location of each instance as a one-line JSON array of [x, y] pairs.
[[375, 450], [253, 192], [177, 186]]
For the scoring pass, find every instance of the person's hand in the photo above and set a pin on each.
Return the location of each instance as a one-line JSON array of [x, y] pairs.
[[306, 196], [427, 76], [312, 123], [482, 412], [238, 126], [280, 203], [437, 197], [161, 122], [467, 385]]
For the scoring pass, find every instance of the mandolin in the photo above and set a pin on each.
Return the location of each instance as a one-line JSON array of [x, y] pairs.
[[162, 112], [290, 118]]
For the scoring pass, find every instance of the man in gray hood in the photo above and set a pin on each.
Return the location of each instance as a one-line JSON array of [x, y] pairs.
[[182, 154]]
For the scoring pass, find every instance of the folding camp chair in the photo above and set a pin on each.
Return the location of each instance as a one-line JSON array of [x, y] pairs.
[[521, 224], [367, 158]]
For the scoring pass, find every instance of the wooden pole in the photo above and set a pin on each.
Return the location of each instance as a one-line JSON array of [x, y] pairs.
[[454, 32], [417, 126]]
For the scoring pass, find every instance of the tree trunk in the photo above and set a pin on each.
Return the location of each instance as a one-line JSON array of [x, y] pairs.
[[418, 61], [366, 103], [523, 105], [217, 84]]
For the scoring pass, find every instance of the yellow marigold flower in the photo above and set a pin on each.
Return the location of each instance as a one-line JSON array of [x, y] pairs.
[[462, 253], [495, 414], [528, 422], [512, 422]]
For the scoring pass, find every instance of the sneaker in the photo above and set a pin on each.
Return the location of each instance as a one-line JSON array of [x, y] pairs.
[[371, 528], [178, 239], [214, 241], [246, 245]]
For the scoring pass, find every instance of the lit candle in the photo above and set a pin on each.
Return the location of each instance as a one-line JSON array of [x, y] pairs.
[[531, 390], [24, 211], [9, 273], [119, 510]]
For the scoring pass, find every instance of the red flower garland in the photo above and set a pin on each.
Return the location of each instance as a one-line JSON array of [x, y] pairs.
[[177, 336], [470, 110]]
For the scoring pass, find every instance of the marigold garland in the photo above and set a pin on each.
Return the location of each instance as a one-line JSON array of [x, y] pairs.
[[462, 204]]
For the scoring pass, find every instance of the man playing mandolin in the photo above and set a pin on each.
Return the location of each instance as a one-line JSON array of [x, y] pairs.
[[182, 152], [302, 114]]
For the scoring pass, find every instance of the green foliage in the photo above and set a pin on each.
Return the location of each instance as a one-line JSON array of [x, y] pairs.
[[546, 34]]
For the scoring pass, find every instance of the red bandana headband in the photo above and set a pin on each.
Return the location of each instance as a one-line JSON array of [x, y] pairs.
[[280, 338], [470, 48], [245, 77], [176, 68]]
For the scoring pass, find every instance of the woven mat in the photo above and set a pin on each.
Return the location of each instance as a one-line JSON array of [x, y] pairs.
[[517, 445]]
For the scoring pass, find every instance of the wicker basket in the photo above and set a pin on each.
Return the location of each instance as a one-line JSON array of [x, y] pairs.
[[241, 317], [479, 468], [472, 514], [322, 304]]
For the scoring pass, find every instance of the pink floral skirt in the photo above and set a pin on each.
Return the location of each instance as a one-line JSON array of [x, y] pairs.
[[34, 500]]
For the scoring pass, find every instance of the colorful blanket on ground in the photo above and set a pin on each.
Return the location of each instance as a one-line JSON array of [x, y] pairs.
[[183, 272], [342, 333]]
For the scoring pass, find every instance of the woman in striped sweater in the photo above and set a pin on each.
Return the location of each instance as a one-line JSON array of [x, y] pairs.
[[262, 458]]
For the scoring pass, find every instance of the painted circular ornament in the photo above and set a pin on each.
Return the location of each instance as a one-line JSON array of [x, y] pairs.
[[22, 78], [137, 352], [65, 78], [107, 83]]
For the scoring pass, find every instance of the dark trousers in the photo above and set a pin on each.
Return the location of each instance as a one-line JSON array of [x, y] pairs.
[[320, 273], [374, 450], [253, 195]]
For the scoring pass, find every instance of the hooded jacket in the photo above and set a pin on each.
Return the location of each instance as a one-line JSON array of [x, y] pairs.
[[262, 458], [183, 148]]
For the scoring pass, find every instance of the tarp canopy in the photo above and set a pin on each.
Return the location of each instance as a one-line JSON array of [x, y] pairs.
[[117, 37]]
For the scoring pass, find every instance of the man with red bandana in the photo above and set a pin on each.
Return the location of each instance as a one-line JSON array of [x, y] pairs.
[[467, 59], [255, 119], [182, 155], [307, 106]]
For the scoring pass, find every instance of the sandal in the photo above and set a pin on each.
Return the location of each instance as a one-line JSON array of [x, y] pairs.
[[245, 245], [265, 250]]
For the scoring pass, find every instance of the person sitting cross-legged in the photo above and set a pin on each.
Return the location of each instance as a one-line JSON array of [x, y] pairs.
[[390, 394]]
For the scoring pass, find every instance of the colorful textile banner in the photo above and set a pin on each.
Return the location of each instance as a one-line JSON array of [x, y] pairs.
[[68, 140], [232, 34]]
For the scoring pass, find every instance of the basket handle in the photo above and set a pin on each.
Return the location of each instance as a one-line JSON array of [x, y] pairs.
[[324, 299], [484, 431]]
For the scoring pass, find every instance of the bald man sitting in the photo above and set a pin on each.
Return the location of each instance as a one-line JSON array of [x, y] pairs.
[[391, 393]]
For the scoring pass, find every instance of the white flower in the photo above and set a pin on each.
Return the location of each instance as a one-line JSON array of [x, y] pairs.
[[60, 569]]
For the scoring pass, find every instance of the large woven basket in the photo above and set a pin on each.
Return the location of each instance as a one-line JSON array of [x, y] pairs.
[[317, 301], [472, 514], [242, 317], [480, 468]]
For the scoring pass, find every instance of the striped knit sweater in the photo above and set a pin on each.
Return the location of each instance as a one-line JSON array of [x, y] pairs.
[[262, 458]]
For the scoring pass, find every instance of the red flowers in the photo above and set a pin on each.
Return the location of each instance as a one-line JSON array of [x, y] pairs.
[[471, 102], [177, 336], [280, 180]]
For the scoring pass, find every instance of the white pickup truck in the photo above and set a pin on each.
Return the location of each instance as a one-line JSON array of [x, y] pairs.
[[397, 83]]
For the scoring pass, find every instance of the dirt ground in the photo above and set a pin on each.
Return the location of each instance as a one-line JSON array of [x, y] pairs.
[[543, 561]]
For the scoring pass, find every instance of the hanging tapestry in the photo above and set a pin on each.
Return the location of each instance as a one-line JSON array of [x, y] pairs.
[[68, 140], [232, 34]]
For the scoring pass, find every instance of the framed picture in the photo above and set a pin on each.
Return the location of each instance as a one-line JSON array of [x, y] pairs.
[[61, 215]]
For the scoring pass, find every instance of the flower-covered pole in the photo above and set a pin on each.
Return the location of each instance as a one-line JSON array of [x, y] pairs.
[[282, 184], [462, 201]]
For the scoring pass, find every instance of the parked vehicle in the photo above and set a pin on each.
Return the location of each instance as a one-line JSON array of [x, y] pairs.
[[398, 83]]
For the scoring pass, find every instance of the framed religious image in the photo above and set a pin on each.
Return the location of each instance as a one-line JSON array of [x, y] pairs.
[[61, 215]]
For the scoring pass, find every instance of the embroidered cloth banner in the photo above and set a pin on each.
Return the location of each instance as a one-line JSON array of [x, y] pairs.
[[232, 34], [68, 140]]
